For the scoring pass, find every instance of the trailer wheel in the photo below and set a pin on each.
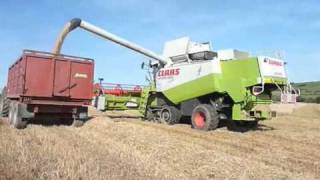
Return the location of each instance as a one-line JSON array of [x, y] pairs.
[[77, 123], [5, 108], [80, 117], [205, 117], [10, 115], [14, 117], [4, 104], [170, 115]]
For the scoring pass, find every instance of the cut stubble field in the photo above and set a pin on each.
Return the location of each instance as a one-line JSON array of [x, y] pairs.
[[117, 145]]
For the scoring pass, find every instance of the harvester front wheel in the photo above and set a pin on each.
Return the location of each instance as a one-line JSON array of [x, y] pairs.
[[205, 117], [251, 124], [170, 115], [149, 116]]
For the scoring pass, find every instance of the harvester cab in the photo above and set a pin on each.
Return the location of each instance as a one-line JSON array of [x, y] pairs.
[[189, 79], [183, 50]]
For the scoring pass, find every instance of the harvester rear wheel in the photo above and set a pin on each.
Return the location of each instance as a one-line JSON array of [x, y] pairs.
[[205, 117], [170, 115]]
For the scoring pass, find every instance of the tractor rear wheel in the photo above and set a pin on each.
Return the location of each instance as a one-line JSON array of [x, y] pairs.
[[170, 115], [205, 117]]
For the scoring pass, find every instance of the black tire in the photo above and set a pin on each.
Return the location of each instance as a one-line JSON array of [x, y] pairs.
[[241, 126], [77, 123], [149, 116], [170, 115], [15, 119], [4, 104], [251, 124], [81, 117], [10, 115], [205, 117], [5, 110], [247, 124]]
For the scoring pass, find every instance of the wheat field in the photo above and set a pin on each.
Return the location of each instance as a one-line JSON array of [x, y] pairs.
[[117, 145]]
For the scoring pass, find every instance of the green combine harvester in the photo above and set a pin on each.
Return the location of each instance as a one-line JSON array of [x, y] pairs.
[[190, 79]]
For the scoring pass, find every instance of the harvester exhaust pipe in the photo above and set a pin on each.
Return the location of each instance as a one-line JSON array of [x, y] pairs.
[[76, 22]]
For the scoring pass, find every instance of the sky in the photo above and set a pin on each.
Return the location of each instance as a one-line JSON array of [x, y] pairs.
[[291, 27]]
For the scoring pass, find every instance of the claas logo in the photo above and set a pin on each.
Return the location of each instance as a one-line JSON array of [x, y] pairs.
[[169, 72], [272, 62]]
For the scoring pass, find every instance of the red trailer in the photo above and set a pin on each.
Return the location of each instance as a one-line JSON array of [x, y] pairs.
[[41, 83]]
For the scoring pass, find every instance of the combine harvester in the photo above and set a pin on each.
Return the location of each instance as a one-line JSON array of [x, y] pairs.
[[189, 79]]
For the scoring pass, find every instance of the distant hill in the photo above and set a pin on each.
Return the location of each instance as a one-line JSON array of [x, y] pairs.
[[310, 91]]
